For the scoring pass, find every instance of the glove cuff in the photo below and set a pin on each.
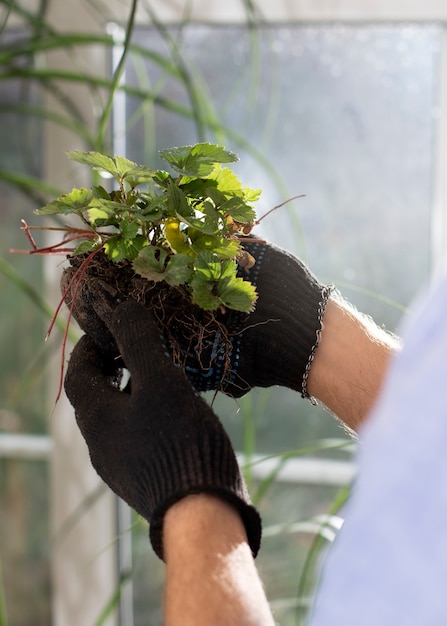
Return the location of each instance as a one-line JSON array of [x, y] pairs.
[[249, 515], [325, 295], [278, 343], [210, 466]]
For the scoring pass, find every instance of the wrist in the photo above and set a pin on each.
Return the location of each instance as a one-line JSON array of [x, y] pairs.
[[350, 363], [196, 516], [211, 575]]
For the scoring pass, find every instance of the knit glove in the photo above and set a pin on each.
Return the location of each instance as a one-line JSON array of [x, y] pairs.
[[274, 345], [156, 441]]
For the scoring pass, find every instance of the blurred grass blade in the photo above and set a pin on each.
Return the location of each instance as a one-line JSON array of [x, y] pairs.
[[282, 459], [32, 187], [28, 110], [114, 601], [107, 111], [9, 7], [308, 578], [13, 275], [3, 619]]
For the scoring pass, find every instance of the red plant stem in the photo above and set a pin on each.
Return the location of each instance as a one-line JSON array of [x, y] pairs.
[[43, 251], [76, 280], [278, 206], [25, 227], [56, 247]]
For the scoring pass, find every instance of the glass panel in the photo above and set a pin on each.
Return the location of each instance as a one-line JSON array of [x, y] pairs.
[[345, 115], [24, 485]]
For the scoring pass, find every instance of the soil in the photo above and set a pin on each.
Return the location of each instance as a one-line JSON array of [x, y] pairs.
[[189, 331]]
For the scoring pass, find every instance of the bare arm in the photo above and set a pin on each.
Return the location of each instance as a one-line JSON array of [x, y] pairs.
[[220, 585], [350, 363]]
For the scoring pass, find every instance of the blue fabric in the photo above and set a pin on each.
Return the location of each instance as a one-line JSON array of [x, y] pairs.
[[388, 566]]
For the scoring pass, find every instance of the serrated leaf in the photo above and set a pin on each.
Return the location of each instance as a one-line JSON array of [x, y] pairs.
[[225, 248], [118, 248], [198, 223], [229, 184], [239, 210], [100, 193], [76, 201], [208, 266], [129, 229], [161, 178], [177, 202], [151, 263], [96, 160], [178, 270], [133, 173], [197, 160], [237, 293], [101, 211], [228, 269], [203, 295], [197, 187], [87, 246]]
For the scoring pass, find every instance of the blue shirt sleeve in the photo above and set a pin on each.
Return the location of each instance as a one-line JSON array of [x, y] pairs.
[[388, 565]]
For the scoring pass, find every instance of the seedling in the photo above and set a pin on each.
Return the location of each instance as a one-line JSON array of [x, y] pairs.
[[182, 229], [179, 230]]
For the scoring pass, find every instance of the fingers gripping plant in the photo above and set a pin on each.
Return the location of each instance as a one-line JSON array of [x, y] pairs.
[[182, 229]]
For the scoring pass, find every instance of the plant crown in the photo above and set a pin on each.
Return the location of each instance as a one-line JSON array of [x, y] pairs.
[[181, 229]]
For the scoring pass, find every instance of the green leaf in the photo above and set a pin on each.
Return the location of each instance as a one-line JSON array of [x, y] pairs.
[[96, 160], [225, 248], [239, 210], [208, 266], [151, 263], [229, 184], [133, 173], [100, 192], [161, 178], [120, 168], [203, 295], [197, 187], [234, 293], [77, 201], [178, 271], [87, 246], [103, 211], [197, 160], [237, 293], [228, 269], [178, 204], [118, 248], [129, 229]]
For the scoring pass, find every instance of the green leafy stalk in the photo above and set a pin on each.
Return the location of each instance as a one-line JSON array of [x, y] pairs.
[[3, 619], [117, 75], [181, 228]]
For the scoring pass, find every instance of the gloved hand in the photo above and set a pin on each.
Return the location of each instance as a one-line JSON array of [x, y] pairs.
[[156, 441], [274, 345]]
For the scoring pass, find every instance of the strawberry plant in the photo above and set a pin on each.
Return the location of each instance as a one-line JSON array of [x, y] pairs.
[[171, 241], [180, 228]]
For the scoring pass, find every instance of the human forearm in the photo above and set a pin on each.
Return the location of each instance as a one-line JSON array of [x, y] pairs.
[[350, 363], [220, 585]]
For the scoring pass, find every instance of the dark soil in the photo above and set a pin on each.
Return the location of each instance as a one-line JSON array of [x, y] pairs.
[[189, 331]]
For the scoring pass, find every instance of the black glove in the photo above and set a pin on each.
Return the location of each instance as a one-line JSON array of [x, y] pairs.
[[274, 345], [156, 441]]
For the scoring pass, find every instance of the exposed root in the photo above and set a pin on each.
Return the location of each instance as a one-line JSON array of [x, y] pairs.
[[189, 331]]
